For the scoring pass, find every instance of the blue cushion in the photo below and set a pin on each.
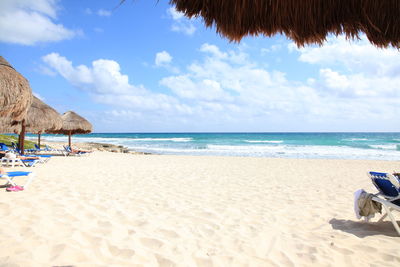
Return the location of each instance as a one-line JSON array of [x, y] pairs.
[[20, 173], [386, 187]]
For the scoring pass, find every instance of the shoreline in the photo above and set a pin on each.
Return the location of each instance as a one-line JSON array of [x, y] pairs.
[[98, 146]]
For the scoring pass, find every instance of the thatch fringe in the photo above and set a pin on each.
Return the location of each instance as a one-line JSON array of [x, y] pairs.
[[15, 92], [41, 117], [303, 21], [72, 123]]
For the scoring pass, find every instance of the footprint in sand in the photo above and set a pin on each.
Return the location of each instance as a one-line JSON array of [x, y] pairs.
[[169, 233], [151, 243], [123, 253], [164, 262]]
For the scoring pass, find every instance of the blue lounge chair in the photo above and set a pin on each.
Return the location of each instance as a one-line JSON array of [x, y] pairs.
[[42, 158], [9, 176], [72, 153], [388, 186]]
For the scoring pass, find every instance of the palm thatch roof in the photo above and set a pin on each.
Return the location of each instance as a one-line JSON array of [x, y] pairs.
[[9, 126], [303, 21], [72, 123], [41, 117], [15, 92]]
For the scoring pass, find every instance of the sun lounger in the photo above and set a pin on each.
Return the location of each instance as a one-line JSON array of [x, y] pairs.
[[19, 162], [389, 194], [75, 153], [9, 176]]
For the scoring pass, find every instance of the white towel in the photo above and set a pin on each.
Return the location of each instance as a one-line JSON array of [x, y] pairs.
[[357, 195]]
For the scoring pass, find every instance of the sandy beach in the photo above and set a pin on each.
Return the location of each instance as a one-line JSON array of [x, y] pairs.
[[116, 209]]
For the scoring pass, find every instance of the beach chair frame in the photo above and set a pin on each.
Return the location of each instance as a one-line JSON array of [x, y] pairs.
[[13, 162], [386, 200], [9, 176]]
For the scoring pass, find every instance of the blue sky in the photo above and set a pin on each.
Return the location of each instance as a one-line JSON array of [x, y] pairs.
[[143, 67]]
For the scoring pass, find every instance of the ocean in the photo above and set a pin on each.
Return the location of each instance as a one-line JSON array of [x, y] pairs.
[[376, 146]]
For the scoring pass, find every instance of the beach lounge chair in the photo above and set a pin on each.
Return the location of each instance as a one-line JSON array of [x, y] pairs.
[[75, 153], [5, 161], [389, 194], [42, 158], [9, 176]]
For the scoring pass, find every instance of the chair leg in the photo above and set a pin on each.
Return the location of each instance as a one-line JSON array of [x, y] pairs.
[[9, 180], [394, 222], [31, 176], [383, 217]]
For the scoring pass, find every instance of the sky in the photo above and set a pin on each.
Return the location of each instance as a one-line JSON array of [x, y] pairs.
[[144, 67]]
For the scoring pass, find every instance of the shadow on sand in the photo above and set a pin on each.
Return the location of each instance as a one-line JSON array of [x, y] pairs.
[[363, 229]]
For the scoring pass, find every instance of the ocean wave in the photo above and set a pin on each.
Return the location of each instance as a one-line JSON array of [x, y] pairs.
[[279, 151], [264, 141], [175, 139], [356, 139], [388, 147]]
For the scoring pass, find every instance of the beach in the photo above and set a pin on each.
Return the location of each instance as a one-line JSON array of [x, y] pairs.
[[120, 209]]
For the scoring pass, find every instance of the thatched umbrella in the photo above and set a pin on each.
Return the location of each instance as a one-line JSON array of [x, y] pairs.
[[39, 118], [73, 124], [15, 93], [303, 21]]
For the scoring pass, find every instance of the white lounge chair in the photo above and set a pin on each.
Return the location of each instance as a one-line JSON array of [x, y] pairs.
[[389, 194], [9, 176], [19, 162]]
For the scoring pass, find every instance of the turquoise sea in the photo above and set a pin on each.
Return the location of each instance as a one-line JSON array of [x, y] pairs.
[[382, 146]]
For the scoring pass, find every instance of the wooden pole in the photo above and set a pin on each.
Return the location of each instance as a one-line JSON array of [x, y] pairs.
[[69, 140], [38, 137], [22, 138]]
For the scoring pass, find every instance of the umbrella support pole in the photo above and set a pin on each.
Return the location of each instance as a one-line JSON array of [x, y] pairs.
[[38, 137], [21, 138]]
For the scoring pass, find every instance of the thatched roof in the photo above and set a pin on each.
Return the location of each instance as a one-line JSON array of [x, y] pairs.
[[72, 123], [41, 117], [303, 21], [9, 126], [15, 92]]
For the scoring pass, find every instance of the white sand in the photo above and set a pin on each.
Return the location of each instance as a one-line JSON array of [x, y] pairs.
[[113, 209]]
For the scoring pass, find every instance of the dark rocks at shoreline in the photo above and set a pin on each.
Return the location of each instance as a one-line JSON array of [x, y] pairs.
[[113, 148]]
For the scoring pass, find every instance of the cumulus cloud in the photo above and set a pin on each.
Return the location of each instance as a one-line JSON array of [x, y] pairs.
[[163, 58], [35, 22], [180, 22], [230, 89], [362, 69], [104, 81]]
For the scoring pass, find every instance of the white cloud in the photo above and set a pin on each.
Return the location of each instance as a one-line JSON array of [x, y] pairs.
[[105, 82], [29, 22], [163, 58], [364, 70], [180, 22], [227, 90], [103, 13]]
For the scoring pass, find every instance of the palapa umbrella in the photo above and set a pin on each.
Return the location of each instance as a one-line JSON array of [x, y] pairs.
[[72, 124], [15, 94], [303, 21], [39, 118]]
